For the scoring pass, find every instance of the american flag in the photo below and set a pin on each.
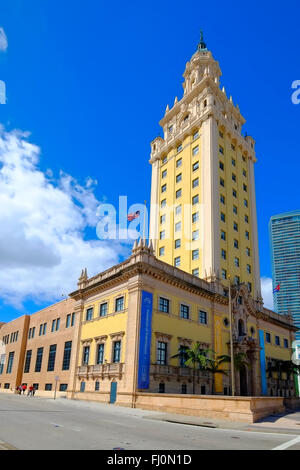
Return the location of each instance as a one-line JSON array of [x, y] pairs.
[[133, 215]]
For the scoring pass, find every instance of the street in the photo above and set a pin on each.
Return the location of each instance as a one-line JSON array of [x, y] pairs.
[[41, 423]]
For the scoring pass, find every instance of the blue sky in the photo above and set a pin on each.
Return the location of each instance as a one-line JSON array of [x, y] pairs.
[[91, 79]]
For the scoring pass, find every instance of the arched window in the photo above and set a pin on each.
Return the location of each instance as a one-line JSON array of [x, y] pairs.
[[241, 328]]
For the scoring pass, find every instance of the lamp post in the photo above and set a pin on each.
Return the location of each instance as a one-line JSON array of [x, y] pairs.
[[231, 340]]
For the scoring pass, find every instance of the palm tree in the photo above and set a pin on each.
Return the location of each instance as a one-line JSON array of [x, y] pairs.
[[213, 365], [192, 356]]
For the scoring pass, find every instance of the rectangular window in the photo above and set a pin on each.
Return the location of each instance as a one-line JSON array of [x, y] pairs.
[[100, 353], [233, 177], [184, 311], [248, 251], [247, 235], [195, 150], [246, 219], [195, 235], [89, 314], [245, 203], [164, 188], [195, 183], [244, 172], [178, 193], [177, 243], [163, 203], [33, 332], [51, 358], [202, 317], [222, 182], [195, 166], [177, 262], [53, 326], [268, 338], [234, 193], [63, 387], [248, 269], [178, 210], [245, 187], [164, 305], [39, 358], [195, 254], [223, 235], [73, 319], [117, 351], [233, 162], [195, 272], [235, 210], [235, 226], [221, 165], [162, 235], [103, 310], [178, 178], [223, 254], [236, 262], [195, 200], [119, 304], [221, 149], [236, 280], [48, 387], [68, 321], [277, 340], [163, 218], [85, 355], [44, 328], [178, 227], [162, 251], [57, 324], [285, 343], [179, 148], [196, 135], [222, 199], [41, 330], [67, 355], [10, 362], [222, 217], [27, 362], [164, 174], [179, 163], [195, 217], [224, 274], [161, 353]]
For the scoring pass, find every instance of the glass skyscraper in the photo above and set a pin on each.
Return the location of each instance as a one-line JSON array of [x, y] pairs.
[[285, 254]]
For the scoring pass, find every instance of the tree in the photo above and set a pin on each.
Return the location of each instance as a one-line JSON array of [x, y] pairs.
[[192, 356]]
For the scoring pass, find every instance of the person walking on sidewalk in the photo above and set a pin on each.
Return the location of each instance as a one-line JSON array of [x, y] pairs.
[[24, 388], [30, 390]]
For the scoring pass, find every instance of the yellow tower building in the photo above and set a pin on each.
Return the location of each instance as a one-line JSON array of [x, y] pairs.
[[203, 209]]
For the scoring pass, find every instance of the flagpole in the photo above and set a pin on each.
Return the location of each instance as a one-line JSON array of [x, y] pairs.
[[145, 208]]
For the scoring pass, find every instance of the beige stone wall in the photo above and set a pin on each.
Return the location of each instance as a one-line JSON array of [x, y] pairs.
[[60, 337]]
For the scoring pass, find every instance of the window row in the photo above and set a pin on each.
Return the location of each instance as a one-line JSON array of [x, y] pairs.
[[12, 338], [184, 310], [276, 340], [103, 309], [116, 353]]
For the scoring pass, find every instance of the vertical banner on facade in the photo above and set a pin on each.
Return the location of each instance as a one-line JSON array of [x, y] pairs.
[[262, 363], [145, 340]]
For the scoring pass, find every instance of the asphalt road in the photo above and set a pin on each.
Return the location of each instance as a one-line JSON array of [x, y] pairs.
[[33, 423]]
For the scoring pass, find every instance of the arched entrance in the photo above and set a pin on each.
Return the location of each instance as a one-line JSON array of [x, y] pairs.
[[243, 382]]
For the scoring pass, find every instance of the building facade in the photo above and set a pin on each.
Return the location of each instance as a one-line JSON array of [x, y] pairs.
[[284, 232], [40, 348], [203, 208], [136, 316]]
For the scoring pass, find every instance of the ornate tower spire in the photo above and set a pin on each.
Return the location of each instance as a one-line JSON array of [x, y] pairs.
[[201, 46]]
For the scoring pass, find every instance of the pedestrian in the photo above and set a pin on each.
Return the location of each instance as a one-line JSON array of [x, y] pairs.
[[24, 388], [33, 391], [20, 389], [30, 390]]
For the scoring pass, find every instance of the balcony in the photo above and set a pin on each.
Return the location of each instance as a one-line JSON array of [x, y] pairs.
[[107, 370], [177, 372]]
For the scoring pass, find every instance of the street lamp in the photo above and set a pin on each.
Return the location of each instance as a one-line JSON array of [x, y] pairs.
[[231, 340]]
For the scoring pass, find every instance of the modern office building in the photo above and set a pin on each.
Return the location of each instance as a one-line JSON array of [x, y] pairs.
[[285, 255], [203, 209]]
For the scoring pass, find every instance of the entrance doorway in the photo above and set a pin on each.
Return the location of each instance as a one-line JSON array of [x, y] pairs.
[[113, 392], [243, 382]]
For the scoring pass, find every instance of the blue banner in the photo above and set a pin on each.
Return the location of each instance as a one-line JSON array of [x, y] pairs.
[[145, 340], [262, 363]]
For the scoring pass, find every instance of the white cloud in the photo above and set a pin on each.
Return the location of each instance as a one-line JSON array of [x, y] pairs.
[[267, 292], [42, 227], [3, 40]]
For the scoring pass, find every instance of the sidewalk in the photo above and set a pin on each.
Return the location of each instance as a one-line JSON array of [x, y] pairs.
[[288, 422]]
